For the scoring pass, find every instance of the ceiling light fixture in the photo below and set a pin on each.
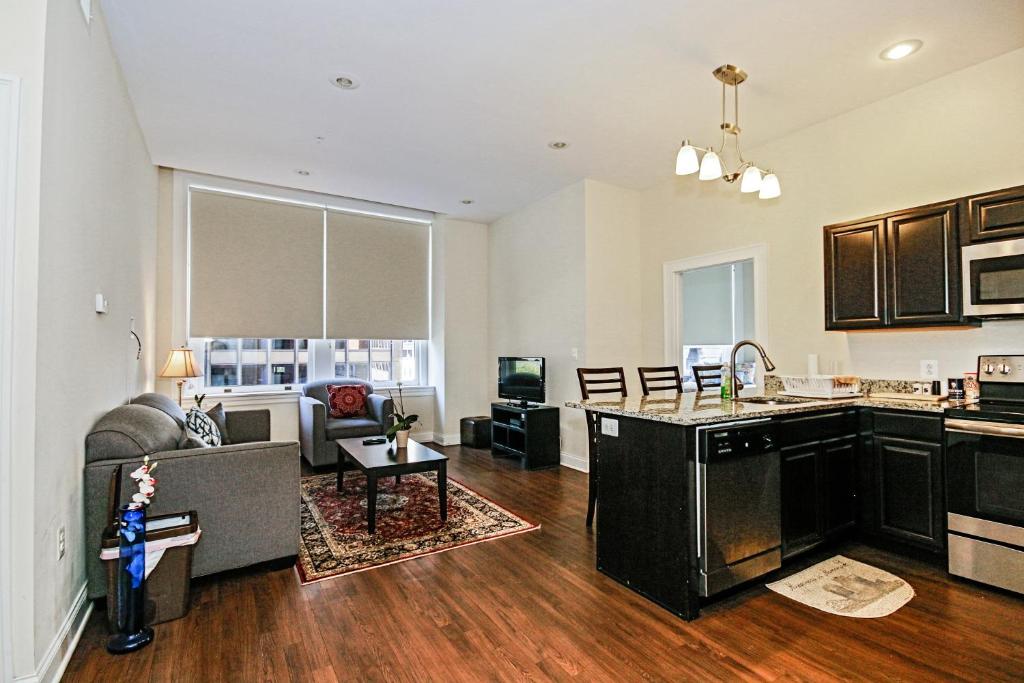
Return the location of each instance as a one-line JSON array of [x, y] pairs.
[[558, 144], [345, 82], [902, 49], [710, 167], [302, 171], [467, 201]]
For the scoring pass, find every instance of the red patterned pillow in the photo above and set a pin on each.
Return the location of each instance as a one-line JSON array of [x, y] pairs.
[[347, 400]]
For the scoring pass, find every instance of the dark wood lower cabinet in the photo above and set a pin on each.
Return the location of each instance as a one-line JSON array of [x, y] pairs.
[[839, 483], [909, 491], [819, 489], [801, 498]]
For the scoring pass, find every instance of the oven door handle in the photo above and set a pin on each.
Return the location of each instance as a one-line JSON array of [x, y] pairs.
[[985, 428]]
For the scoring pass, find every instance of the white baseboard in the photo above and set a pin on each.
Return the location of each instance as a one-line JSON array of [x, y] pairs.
[[422, 437], [448, 439], [574, 462], [55, 661]]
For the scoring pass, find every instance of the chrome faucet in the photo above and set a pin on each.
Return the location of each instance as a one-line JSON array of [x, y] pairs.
[[737, 386]]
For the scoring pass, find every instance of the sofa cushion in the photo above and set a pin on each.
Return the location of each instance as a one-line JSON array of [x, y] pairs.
[[164, 404], [346, 400], [351, 427], [131, 431], [201, 426], [318, 390], [220, 419]]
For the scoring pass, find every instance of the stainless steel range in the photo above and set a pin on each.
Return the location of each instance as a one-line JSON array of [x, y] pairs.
[[985, 478]]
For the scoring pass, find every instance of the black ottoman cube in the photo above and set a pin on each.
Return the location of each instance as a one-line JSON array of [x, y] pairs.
[[476, 431]]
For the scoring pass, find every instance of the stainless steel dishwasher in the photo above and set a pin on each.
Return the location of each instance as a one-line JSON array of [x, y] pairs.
[[738, 489]]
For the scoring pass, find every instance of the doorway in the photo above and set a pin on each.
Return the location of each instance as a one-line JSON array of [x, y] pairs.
[[9, 88], [712, 302]]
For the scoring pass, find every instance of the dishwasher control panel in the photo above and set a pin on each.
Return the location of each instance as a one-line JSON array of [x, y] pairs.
[[739, 440]]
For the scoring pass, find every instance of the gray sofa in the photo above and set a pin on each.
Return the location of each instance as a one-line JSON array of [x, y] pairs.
[[317, 430], [246, 493]]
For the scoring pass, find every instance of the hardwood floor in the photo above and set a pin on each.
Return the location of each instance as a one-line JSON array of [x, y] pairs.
[[533, 606]]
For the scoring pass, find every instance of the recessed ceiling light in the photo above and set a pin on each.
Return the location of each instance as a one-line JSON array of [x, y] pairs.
[[902, 49], [302, 171], [558, 144], [345, 81], [467, 201]]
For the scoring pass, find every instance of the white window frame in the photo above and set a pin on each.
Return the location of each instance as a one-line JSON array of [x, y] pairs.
[[180, 213], [672, 283]]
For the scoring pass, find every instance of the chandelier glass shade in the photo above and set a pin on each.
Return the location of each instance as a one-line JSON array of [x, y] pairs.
[[711, 166]]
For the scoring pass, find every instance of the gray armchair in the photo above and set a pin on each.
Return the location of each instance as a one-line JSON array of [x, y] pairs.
[[246, 493], [317, 430]]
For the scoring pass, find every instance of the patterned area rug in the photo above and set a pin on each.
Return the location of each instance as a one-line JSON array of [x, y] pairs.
[[846, 587], [334, 536]]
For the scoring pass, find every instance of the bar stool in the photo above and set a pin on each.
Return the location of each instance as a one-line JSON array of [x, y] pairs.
[[597, 381], [660, 379], [707, 376]]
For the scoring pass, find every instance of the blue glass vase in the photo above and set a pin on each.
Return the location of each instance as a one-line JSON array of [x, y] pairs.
[[132, 632]]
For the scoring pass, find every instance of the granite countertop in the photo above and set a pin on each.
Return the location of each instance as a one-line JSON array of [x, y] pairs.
[[708, 408]]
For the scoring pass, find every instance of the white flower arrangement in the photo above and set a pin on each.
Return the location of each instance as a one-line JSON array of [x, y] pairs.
[[147, 484]]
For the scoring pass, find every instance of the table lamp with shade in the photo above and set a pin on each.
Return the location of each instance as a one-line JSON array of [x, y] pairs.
[[181, 365]]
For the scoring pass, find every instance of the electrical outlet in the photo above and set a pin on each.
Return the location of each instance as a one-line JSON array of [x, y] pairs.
[[609, 427], [929, 369], [61, 543]]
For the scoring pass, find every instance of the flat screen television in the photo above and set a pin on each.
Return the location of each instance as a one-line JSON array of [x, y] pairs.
[[521, 379]]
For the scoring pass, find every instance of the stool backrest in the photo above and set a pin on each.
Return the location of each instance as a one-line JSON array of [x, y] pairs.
[[665, 378], [707, 376]]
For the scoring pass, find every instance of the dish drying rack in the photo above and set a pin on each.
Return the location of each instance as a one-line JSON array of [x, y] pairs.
[[821, 386]]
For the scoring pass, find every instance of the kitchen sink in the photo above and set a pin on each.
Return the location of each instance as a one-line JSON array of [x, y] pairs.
[[772, 400]]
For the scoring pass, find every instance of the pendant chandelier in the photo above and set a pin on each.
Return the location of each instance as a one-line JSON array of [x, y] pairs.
[[752, 178]]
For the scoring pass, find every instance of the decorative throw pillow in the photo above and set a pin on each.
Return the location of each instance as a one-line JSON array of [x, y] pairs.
[[216, 414], [201, 426], [347, 400]]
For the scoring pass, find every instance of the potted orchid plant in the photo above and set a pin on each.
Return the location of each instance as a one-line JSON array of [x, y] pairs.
[[399, 431], [143, 476]]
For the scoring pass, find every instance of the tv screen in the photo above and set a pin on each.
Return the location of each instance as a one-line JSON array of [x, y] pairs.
[[521, 379]]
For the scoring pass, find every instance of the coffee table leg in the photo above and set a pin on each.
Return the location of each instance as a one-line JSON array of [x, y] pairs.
[[371, 504], [442, 490], [398, 479], [341, 475]]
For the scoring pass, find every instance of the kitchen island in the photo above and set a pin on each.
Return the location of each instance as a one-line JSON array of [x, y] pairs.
[[697, 494]]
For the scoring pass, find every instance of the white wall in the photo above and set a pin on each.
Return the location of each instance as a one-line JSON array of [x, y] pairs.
[[97, 221], [613, 236], [537, 298], [459, 363], [22, 40], [947, 138]]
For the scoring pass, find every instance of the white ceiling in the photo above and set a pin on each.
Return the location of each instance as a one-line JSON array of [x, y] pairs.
[[459, 98]]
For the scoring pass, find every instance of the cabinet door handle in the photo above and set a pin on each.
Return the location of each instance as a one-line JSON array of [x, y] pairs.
[[985, 428]]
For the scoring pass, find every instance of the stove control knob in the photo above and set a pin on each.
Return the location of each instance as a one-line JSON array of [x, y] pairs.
[[989, 368], [1005, 369]]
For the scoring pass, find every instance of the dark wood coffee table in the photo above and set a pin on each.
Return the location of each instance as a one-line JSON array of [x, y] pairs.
[[387, 460]]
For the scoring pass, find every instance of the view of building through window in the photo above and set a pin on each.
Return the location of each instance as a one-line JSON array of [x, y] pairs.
[[258, 362]]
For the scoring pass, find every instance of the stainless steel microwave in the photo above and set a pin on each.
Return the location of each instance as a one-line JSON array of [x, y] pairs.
[[993, 276]]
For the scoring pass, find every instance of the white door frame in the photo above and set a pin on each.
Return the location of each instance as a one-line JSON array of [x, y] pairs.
[[672, 274], [9, 103]]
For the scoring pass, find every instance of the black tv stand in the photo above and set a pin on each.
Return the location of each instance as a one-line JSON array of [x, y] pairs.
[[528, 432]]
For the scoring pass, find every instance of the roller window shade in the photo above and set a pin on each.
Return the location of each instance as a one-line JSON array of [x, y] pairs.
[[377, 278], [255, 268]]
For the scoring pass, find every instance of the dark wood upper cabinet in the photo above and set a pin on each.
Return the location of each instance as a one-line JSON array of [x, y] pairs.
[[855, 276], [923, 266], [900, 269], [994, 216]]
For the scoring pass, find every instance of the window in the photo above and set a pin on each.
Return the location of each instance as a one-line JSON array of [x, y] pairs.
[[717, 311], [275, 362], [381, 361], [252, 362]]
